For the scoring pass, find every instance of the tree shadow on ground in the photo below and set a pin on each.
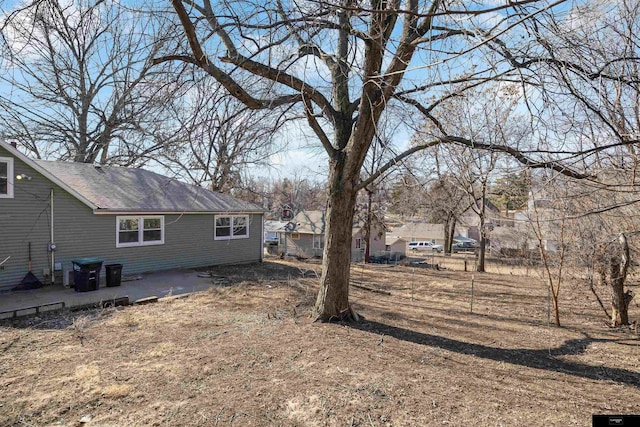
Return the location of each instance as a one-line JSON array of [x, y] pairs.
[[265, 271], [546, 359]]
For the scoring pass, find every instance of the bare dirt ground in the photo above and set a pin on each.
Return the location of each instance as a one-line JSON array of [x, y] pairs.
[[247, 354]]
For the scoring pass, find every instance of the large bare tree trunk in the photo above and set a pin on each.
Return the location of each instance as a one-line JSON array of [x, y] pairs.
[[333, 298]]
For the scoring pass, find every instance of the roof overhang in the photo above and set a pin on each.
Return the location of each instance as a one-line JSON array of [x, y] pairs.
[[47, 174], [124, 213]]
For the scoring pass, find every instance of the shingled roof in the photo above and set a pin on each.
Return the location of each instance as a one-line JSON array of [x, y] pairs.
[[314, 222], [419, 231], [120, 189]]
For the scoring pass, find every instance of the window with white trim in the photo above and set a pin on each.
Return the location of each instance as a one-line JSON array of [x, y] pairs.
[[139, 231], [231, 227], [318, 241], [359, 243], [6, 178]]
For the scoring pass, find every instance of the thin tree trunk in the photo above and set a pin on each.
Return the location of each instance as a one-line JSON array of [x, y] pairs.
[[483, 232], [619, 302], [481, 254], [367, 229], [556, 307], [483, 243], [449, 233]]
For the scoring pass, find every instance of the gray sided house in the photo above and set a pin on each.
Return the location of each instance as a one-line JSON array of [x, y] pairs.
[[133, 217], [305, 238]]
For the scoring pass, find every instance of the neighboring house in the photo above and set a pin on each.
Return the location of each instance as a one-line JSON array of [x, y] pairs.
[[543, 212], [469, 222], [132, 217], [514, 234], [415, 231], [305, 237], [507, 240], [538, 218], [396, 245], [272, 229]]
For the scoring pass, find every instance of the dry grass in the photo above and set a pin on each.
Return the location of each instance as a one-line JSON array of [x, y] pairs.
[[247, 354]]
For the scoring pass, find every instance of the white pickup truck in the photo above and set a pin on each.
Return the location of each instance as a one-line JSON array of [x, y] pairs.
[[425, 246]]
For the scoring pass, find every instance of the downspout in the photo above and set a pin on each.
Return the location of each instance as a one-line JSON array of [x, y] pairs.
[[51, 244], [262, 239]]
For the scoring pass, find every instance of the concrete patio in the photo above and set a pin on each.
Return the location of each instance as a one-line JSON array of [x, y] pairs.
[[159, 284]]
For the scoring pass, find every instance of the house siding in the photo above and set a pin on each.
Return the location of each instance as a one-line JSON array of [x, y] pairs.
[[24, 219], [79, 233], [376, 240], [399, 246], [302, 247]]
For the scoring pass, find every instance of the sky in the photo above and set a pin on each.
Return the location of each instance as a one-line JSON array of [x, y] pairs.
[[302, 155]]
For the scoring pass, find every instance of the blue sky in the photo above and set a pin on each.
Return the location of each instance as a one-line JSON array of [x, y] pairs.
[[304, 155]]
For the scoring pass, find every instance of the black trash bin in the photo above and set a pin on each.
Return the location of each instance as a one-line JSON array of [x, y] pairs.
[[114, 274], [86, 274]]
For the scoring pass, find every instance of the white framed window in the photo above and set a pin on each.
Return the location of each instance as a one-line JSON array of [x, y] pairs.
[[6, 178], [139, 231], [359, 243], [231, 227], [318, 241]]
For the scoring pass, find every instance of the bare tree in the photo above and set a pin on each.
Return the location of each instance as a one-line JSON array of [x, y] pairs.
[[212, 138], [83, 87], [603, 228], [408, 195], [344, 65], [594, 77], [548, 222], [446, 202], [298, 194], [487, 116], [369, 210]]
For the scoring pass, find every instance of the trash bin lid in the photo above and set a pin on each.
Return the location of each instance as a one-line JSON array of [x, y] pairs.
[[86, 261]]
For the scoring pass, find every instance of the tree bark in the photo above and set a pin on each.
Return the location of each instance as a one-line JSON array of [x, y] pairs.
[[619, 299], [449, 233], [483, 232], [481, 253], [556, 306], [332, 302], [367, 228]]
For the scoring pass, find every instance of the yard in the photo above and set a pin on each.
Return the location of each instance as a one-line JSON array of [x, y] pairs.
[[246, 353]]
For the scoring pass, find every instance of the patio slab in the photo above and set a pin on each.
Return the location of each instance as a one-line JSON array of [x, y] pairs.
[[159, 284]]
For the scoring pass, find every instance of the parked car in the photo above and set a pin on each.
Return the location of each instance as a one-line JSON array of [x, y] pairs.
[[425, 246], [467, 246]]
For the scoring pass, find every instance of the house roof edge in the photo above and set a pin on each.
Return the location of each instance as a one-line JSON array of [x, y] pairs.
[[14, 151]]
